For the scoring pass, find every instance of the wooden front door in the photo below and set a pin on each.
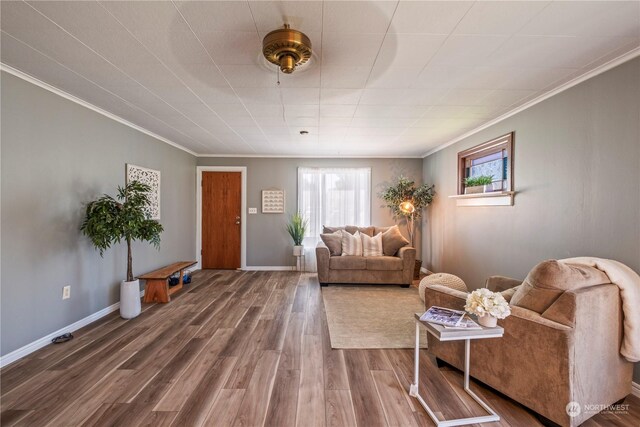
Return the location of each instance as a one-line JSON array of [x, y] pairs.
[[221, 206]]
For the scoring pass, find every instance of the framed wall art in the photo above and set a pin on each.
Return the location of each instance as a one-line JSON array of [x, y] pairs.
[[272, 201], [150, 177]]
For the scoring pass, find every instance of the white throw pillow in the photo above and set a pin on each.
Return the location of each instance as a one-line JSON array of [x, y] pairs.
[[372, 246], [351, 244]]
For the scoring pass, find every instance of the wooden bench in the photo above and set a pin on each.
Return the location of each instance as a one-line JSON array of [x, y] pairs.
[[157, 288]]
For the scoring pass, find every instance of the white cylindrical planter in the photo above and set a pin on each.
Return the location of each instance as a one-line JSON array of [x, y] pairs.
[[130, 299], [298, 250], [488, 321]]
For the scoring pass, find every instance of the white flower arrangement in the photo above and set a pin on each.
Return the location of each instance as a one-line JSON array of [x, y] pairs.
[[482, 301]]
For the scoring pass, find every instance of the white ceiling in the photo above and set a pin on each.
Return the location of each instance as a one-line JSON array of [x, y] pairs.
[[387, 78]]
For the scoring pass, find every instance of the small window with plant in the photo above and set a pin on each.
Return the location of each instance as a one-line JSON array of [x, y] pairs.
[[478, 184], [487, 167]]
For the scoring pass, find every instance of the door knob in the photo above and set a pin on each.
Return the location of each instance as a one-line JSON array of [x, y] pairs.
[[238, 220]]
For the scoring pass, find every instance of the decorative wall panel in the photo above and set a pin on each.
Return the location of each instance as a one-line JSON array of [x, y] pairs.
[[152, 179]]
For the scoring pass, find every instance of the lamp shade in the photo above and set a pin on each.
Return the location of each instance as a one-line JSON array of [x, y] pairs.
[[407, 207]]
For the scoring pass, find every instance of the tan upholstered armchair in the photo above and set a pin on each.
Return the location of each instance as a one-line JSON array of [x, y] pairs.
[[560, 344]]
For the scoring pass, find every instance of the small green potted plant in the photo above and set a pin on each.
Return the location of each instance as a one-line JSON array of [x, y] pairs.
[[110, 220], [297, 228], [478, 184]]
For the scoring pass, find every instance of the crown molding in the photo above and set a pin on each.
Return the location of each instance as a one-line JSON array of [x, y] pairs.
[[565, 86], [33, 80], [586, 76], [293, 156]]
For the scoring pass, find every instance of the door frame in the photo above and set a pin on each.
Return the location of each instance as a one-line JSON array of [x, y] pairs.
[[243, 210]]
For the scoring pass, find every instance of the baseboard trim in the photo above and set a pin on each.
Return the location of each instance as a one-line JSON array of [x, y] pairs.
[[46, 340], [635, 389], [269, 268]]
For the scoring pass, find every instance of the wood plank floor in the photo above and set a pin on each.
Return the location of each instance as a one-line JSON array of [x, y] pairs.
[[236, 349]]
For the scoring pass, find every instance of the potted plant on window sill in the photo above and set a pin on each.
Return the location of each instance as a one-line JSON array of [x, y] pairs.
[[110, 220], [297, 228], [478, 184]]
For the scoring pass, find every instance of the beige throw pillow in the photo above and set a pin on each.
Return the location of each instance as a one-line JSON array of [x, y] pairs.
[[372, 246], [351, 244], [377, 230], [392, 241], [333, 242]]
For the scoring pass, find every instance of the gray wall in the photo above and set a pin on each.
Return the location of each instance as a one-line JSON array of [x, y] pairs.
[[56, 156], [577, 163], [267, 241]]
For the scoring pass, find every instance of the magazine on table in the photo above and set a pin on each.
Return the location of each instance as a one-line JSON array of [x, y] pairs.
[[442, 316], [466, 323]]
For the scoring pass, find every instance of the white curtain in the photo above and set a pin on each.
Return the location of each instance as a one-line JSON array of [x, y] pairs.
[[334, 197]]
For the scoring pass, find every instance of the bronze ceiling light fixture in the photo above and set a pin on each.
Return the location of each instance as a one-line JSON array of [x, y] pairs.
[[287, 48]]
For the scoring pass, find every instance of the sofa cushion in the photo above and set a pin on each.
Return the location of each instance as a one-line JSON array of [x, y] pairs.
[[371, 246], [392, 241], [333, 241], [347, 263], [351, 244], [384, 263], [549, 279], [328, 230], [363, 230], [351, 229]]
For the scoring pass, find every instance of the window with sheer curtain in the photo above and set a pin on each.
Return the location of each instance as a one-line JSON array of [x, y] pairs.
[[334, 197]]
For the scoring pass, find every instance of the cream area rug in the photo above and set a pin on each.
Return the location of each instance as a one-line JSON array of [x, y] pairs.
[[371, 316]]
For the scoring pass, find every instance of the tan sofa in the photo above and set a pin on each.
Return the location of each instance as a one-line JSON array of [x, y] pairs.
[[566, 350], [392, 270]]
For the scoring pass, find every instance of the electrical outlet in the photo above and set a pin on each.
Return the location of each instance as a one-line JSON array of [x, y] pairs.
[[253, 211], [66, 292]]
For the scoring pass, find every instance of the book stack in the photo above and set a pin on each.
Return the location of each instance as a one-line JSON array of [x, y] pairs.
[[450, 319]]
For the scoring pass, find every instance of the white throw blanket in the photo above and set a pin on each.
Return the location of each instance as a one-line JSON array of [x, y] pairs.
[[629, 283]]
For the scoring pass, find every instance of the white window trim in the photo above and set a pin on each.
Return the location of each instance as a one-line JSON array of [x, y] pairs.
[[243, 210]]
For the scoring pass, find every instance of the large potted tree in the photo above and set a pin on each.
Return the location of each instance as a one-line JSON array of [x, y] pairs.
[[406, 200], [110, 220]]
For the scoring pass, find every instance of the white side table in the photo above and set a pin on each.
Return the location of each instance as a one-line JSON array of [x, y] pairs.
[[443, 334]]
